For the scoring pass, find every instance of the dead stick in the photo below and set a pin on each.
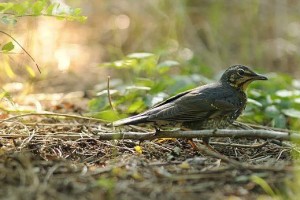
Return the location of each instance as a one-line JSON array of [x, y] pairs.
[[255, 134], [264, 134]]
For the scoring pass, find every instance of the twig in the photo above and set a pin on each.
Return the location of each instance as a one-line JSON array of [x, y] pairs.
[[108, 94], [264, 134], [235, 163], [51, 114], [240, 145], [206, 150], [21, 48]]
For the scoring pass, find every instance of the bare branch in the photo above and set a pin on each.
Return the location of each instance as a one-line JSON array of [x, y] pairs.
[[264, 134], [255, 134]]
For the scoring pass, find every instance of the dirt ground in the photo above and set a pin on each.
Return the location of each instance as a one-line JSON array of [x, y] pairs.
[[56, 157]]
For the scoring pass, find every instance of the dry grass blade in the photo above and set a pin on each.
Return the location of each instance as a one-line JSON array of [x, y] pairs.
[[22, 49], [53, 115]]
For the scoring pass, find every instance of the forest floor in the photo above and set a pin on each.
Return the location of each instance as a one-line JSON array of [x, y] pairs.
[[57, 157]]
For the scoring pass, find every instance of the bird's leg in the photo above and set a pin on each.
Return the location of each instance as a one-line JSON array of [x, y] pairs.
[[192, 143], [157, 129], [205, 141]]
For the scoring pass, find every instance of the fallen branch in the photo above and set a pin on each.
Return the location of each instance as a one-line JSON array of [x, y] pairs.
[[263, 134], [255, 134]]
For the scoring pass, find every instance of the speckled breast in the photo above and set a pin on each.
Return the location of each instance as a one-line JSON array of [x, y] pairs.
[[217, 122], [208, 124]]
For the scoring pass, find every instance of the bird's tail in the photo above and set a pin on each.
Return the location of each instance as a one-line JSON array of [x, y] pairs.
[[130, 120]]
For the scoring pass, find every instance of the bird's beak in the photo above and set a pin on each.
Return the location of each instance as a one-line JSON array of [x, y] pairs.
[[259, 77]]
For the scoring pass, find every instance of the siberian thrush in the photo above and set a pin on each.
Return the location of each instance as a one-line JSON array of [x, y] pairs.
[[210, 106]]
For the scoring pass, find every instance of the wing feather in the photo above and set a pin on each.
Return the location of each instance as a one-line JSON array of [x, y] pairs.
[[193, 106]]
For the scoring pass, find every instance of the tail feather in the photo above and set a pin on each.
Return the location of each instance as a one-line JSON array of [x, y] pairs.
[[130, 120]]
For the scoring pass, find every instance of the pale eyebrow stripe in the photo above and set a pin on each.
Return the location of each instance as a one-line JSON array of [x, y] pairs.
[[249, 73]]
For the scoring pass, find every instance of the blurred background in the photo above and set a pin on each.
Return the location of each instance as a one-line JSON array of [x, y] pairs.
[[199, 38], [203, 36]]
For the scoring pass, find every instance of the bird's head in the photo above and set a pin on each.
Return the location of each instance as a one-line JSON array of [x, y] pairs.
[[239, 76]]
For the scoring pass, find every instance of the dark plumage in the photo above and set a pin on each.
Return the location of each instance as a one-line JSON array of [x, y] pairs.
[[209, 106]]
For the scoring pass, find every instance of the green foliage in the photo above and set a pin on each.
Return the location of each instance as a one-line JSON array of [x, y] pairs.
[[147, 81], [276, 102], [263, 184], [5, 95], [108, 185], [8, 47], [9, 12]]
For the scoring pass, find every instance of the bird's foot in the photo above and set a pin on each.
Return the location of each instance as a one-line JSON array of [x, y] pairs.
[[157, 130], [209, 147], [205, 141], [192, 143]]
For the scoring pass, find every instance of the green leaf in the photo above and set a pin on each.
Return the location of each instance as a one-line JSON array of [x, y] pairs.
[[97, 104], [272, 111], [76, 12], [136, 106], [20, 8], [140, 55], [81, 18], [135, 87], [287, 93], [252, 101], [108, 184], [291, 112], [9, 72], [9, 20], [1, 7], [6, 95], [5, 7], [279, 121], [263, 184], [108, 115], [8, 47], [30, 71], [38, 7], [297, 100], [168, 63], [50, 9]]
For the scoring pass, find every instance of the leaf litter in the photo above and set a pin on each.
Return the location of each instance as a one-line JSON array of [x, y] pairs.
[[48, 157]]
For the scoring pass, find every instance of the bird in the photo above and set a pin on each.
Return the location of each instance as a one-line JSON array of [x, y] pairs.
[[211, 106]]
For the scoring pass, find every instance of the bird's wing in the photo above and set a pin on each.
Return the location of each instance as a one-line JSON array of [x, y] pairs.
[[194, 105], [173, 98]]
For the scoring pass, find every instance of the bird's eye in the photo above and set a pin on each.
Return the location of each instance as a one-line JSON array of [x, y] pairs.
[[240, 72]]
